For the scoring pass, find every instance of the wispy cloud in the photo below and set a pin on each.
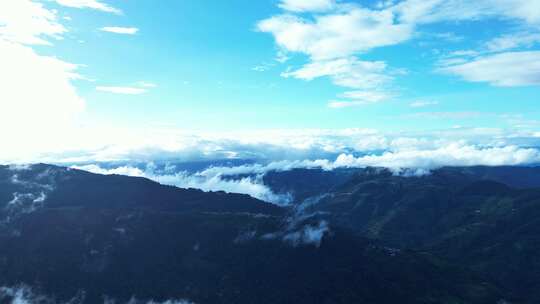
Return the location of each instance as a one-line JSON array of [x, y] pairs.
[[120, 30], [423, 103], [423, 12], [307, 5], [122, 90], [91, 4], [146, 84], [445, 115], [513, 41], [138, 88], [265, 66], [346, 72], [510, 69], [358, 98]]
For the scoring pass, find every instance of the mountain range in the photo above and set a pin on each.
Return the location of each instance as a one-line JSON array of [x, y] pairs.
[[456, 235]]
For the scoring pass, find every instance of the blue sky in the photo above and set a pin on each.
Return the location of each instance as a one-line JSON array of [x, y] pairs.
[[201, 55], [230, 66]]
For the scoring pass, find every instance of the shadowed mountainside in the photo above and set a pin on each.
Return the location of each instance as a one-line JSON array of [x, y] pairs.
[[454, 213], [75, 235]]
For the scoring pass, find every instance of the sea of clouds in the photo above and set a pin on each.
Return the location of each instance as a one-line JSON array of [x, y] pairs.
[[257, 155], [238, 161]]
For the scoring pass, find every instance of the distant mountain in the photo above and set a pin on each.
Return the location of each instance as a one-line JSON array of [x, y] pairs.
[[79, 237]]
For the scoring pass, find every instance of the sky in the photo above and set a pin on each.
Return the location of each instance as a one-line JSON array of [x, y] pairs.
[[91, 80]]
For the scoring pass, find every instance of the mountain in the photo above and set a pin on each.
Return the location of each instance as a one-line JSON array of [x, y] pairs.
[[77, 237], [465, 215]]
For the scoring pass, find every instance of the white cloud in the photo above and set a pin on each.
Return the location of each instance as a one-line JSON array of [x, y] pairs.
[[513, 41], [409, 156], [265, 66], [307, 5], [423, 103], [451, 155], [336, 35], [38, 99], [339, 32], [431, 11], [331, 40], [259, 68], [282, 56], [139, 88], [91, 4], [445, 115], [344, 104], [346, 72], [509, 69], [83, 144], [361, 98], [28, 22], [308, 235], [206, 181], [122, 90], [369, 76], [120, 30]]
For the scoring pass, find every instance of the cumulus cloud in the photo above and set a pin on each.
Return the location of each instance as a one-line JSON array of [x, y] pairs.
[[333, 39], [28, 22], [334, 34], [45, 86], [120, 30], [38, 97], [91, 4], [337, 34], [508, 69]]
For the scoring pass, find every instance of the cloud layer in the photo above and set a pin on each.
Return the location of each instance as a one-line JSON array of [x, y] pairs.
[[206, 181], [403, 156]]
